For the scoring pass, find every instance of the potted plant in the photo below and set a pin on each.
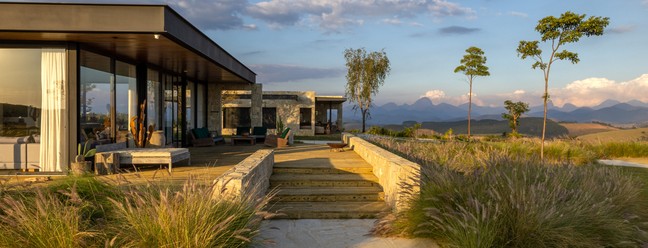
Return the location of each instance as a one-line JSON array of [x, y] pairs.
[[80, 166]]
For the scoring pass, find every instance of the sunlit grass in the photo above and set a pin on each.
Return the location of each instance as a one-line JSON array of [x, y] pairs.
[[499, 194]]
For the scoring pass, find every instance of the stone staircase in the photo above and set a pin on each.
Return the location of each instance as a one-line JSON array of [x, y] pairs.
[[317, 191]]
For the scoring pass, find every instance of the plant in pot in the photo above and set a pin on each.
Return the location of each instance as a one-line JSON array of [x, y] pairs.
[[80, 166]]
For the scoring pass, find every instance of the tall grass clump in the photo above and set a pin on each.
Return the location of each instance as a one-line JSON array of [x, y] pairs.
[[620, 149], [502, 195], [187, 218], [43, 219]]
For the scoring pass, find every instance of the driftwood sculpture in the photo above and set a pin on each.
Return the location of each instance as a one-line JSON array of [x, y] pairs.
[[141, 135]]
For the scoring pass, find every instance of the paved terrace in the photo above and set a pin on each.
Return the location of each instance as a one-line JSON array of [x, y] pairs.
[[207, 163]]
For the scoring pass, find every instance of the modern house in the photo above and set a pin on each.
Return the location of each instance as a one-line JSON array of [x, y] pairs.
[[302, 111], [73, 72]]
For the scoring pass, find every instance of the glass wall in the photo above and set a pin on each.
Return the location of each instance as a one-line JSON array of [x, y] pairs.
[[126, 104], [270, 118], [154, 99], [236, 117], [33, 109], [200, 106], [20, 97], [305, 116], [189, 104], [96, 84]]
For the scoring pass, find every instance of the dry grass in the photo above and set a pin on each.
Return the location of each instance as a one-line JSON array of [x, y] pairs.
[[580, 129], [501, 195], [616, 136]]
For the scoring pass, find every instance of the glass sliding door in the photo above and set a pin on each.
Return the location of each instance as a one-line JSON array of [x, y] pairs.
[[173, 111], [189, 102], [126, 105], [96, 88], [154, 99]]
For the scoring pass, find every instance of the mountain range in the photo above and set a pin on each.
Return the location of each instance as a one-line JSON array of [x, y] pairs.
[[610, 111]]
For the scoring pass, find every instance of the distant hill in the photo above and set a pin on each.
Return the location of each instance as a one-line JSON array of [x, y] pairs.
[[633, 112]]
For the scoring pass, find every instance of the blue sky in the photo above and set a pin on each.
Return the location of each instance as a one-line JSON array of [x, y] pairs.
[[299, 44]]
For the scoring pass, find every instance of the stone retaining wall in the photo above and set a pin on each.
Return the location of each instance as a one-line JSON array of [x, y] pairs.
[[249, 178], [399, 177]]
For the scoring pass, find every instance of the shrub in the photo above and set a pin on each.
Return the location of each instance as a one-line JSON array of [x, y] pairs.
[[518, 204], [188, 218], [42, 219], [481, 194]]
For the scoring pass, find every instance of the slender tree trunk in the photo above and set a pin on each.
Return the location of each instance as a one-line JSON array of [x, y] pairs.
[[544, 122], [514, 127], [469, 106], [364, 117]]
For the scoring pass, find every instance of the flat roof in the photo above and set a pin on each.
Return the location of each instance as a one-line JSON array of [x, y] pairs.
[[155, 34], [330, 99]]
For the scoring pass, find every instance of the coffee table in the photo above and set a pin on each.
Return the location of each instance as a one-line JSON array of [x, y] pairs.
[[250, 139]]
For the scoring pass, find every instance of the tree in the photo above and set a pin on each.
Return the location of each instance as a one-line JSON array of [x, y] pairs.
[[366, 72], [473, 64], [568, 28], [515, 110]]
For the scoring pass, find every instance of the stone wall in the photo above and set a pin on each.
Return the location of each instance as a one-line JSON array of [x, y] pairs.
[[249, 178], [399, 177]]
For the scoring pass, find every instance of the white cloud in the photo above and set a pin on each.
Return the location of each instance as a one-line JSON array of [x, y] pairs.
[[593, 91], [582, 93], [278, 73], [211, 15], [621, 29], [336, 15], [518, 14]]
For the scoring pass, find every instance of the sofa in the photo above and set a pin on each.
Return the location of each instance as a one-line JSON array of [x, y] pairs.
[[19, 153]]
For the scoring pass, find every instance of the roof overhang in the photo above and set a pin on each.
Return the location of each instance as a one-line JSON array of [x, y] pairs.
[[153, 34], [336, 99]]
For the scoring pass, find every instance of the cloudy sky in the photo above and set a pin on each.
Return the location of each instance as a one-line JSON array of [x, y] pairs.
[[299, 44]]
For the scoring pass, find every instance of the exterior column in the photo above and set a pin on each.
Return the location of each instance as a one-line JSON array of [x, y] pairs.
[[340, 123], [215, 107], [257, 105]]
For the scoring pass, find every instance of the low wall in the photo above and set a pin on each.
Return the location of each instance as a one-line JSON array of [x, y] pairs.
[[249, 178], [399, 177]]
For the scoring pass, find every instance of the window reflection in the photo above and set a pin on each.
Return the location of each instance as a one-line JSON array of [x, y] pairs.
[[126, 104], [96, 84]]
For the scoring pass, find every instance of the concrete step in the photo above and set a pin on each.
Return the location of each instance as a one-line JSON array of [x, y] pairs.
[[328, 210], [313, 170], [329, 194], [286, 180]]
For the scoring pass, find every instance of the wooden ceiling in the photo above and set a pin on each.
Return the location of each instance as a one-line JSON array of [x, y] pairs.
[[139, 47]]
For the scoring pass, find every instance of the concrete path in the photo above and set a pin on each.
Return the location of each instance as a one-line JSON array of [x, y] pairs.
[[336, 233], [621, 163]]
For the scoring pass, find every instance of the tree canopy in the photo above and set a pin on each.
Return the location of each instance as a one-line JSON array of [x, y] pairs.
[[473, 64], [515, 110], [366, 72], [558, 31]]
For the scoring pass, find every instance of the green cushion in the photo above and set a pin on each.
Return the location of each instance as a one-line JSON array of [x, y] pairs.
[[201, 133], [259, 130], [284, 133]]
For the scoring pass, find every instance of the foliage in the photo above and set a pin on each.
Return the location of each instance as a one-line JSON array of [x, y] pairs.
[[515, 110], [84, 212], [280, 126], [83, 151], [501, 195], [529, 126], [568, 28], [365, 74], [408, 132], [141, 136], [152, 217], [473, 64]]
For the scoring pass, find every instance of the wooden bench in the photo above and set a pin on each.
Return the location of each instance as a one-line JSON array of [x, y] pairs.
[[113, 155]]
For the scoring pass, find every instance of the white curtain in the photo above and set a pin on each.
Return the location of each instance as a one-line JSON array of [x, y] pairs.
[[54, 113]]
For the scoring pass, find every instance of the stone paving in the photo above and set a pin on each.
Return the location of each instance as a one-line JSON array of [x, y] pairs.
[[315, 233]]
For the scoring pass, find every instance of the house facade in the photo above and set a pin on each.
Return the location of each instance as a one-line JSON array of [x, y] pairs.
[[303, 111], [78, 72]]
